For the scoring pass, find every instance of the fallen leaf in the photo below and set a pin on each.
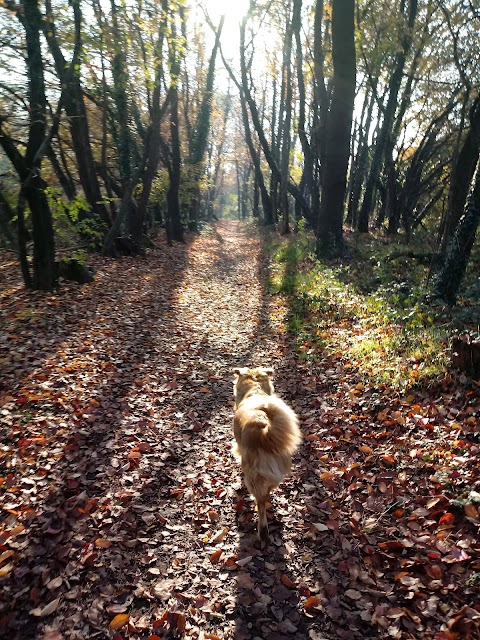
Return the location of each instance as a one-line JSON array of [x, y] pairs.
[[40, 612], [103, 543], [55, 583], [448, 519], [4, 571], [287, 582], [365, 449], [119, 621], [215, 556], [312, 602], [327, 476], [219, 536], [471, 511], [244, 580], [213, 515], [353, 594], [180, 622], [5, 555]]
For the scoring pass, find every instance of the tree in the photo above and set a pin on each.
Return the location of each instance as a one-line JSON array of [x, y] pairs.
[[201, 128], [73, 102], [287, 112], [389, 115], [337, 147], [173, 158], [460, 247], [28, 166]]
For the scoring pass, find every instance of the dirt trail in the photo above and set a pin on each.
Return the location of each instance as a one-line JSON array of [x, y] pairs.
[[123, 511], [121, 486]]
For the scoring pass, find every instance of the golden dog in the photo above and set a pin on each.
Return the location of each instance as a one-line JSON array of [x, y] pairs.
[[267, 434]]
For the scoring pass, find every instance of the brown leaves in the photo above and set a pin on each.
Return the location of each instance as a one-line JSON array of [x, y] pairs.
[[215, 556], [175, 621], [287, 582], [119, 621], [42, 612], [103, 543], [312, 604], [119, 488], [447, 520]]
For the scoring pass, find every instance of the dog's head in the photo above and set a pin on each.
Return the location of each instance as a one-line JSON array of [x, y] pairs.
[[254, 380]]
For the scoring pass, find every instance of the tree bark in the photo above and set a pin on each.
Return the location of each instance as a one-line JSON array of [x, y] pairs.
[[285, 159], [460, 247], [337, 152], [460, 181], [244, 86], [388, 120], [176, 231], [74, 106], [32, 185]]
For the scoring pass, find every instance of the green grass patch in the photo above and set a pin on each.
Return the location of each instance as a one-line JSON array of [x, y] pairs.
[[371, 308]]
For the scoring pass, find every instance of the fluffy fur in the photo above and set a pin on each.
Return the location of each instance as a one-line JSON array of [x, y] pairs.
[[267, 434]]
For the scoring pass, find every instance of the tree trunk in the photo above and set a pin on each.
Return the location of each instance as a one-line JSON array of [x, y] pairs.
[[320, 110], [32, 185], [388, 120], [74, 106], [285, 159], [460, 247], [460, 181], [266, 200], [329, 230], [392, 204], [201, 129], [152, 142], [174, 168], [361, 161], [269, 156], [309, 186]]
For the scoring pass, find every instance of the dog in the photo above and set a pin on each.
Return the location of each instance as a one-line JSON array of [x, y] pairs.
[[267, 434]]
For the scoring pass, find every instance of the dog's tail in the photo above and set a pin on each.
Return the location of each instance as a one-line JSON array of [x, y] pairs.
[[271, 425]]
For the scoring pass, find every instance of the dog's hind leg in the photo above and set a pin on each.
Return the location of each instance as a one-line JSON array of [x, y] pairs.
[[262, 515], [262, 520]]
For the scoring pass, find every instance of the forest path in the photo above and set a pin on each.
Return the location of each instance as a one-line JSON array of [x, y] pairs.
[[124, 504], [123, 509]]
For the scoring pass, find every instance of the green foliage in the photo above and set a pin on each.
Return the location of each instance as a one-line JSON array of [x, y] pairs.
[[371, 308], [158, 193], [74, 216]]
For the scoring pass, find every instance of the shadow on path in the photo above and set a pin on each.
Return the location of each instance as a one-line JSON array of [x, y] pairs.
[[131, 503]]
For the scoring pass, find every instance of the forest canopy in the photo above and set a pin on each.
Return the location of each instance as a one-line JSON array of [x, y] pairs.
[[119, 118]]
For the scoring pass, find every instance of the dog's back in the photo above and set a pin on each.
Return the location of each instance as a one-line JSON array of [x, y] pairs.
[[266, 423], [267, 433]]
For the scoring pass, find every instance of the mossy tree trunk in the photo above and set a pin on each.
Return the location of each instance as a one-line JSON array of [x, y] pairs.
[[28, 166]]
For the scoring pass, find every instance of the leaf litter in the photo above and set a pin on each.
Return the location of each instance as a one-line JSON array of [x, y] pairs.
[[123, 512]]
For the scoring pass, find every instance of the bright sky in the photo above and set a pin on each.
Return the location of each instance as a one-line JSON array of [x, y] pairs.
[[234, 10]]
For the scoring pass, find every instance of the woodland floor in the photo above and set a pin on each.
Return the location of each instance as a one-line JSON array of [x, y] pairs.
[[123, 513]]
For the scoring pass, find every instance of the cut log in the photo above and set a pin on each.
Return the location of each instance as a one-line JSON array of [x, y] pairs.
[[73, 269]]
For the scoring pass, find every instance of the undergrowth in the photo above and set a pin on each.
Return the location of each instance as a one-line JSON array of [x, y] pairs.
[[372, 308]]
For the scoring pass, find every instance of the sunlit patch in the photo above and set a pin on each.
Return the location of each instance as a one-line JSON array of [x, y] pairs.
[[233, 11]]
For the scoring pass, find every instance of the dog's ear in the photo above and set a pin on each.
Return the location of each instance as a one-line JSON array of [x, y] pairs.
[[267, 371], [239, 371]]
